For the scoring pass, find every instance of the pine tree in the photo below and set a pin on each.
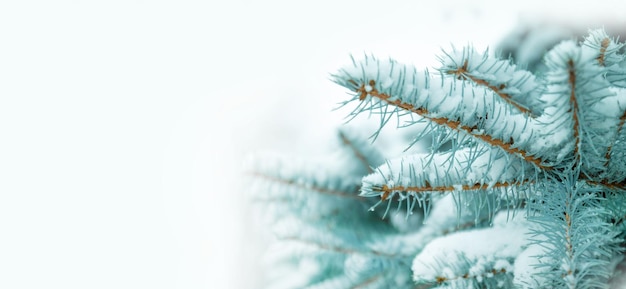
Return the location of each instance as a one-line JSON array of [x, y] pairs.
[[523, 186]]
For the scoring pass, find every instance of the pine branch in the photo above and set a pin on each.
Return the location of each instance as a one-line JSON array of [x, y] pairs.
[[578, 240], [306, 186], [357, 153], [524, 184], [615, 157], [415, 177], [324, 246], [515, 86], [373, 241], [591, 109], [571, 71], [509, 146], [462, 73], [360, 152], [386, 191], [608, 56], [448, 216], [622, 119], [464, 109], [487, 260]]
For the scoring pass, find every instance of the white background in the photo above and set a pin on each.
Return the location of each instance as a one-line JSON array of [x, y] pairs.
[[123, 124]]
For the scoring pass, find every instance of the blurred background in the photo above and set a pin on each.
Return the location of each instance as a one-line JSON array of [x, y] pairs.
[[124, 124]]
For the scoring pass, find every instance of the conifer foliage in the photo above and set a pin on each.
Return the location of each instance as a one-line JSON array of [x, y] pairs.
[[524, 185]]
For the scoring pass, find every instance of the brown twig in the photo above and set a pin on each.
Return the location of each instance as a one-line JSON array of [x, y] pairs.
[[603, 46], [442, 189], [574, 108], [611, 186]]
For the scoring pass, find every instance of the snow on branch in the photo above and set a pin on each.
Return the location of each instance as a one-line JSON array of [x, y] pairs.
[[515, 86], [484, 262], [449, 215], [608, 56], [413, 178], [583, 101], [473, 110]]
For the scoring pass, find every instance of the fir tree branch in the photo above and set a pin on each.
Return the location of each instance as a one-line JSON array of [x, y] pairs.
[[416, 177], [427, 188], [371, 90], [607, 155], [517, 87], [609, 57], [463, 73], [343, 250], [487, 261], [584, 103], [605, 47], [357, 153], [318, 189], [440, 280], [575, 232], [569, 247], [604, 44]]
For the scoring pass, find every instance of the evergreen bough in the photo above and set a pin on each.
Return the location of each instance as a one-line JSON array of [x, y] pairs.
[[523, 186]]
